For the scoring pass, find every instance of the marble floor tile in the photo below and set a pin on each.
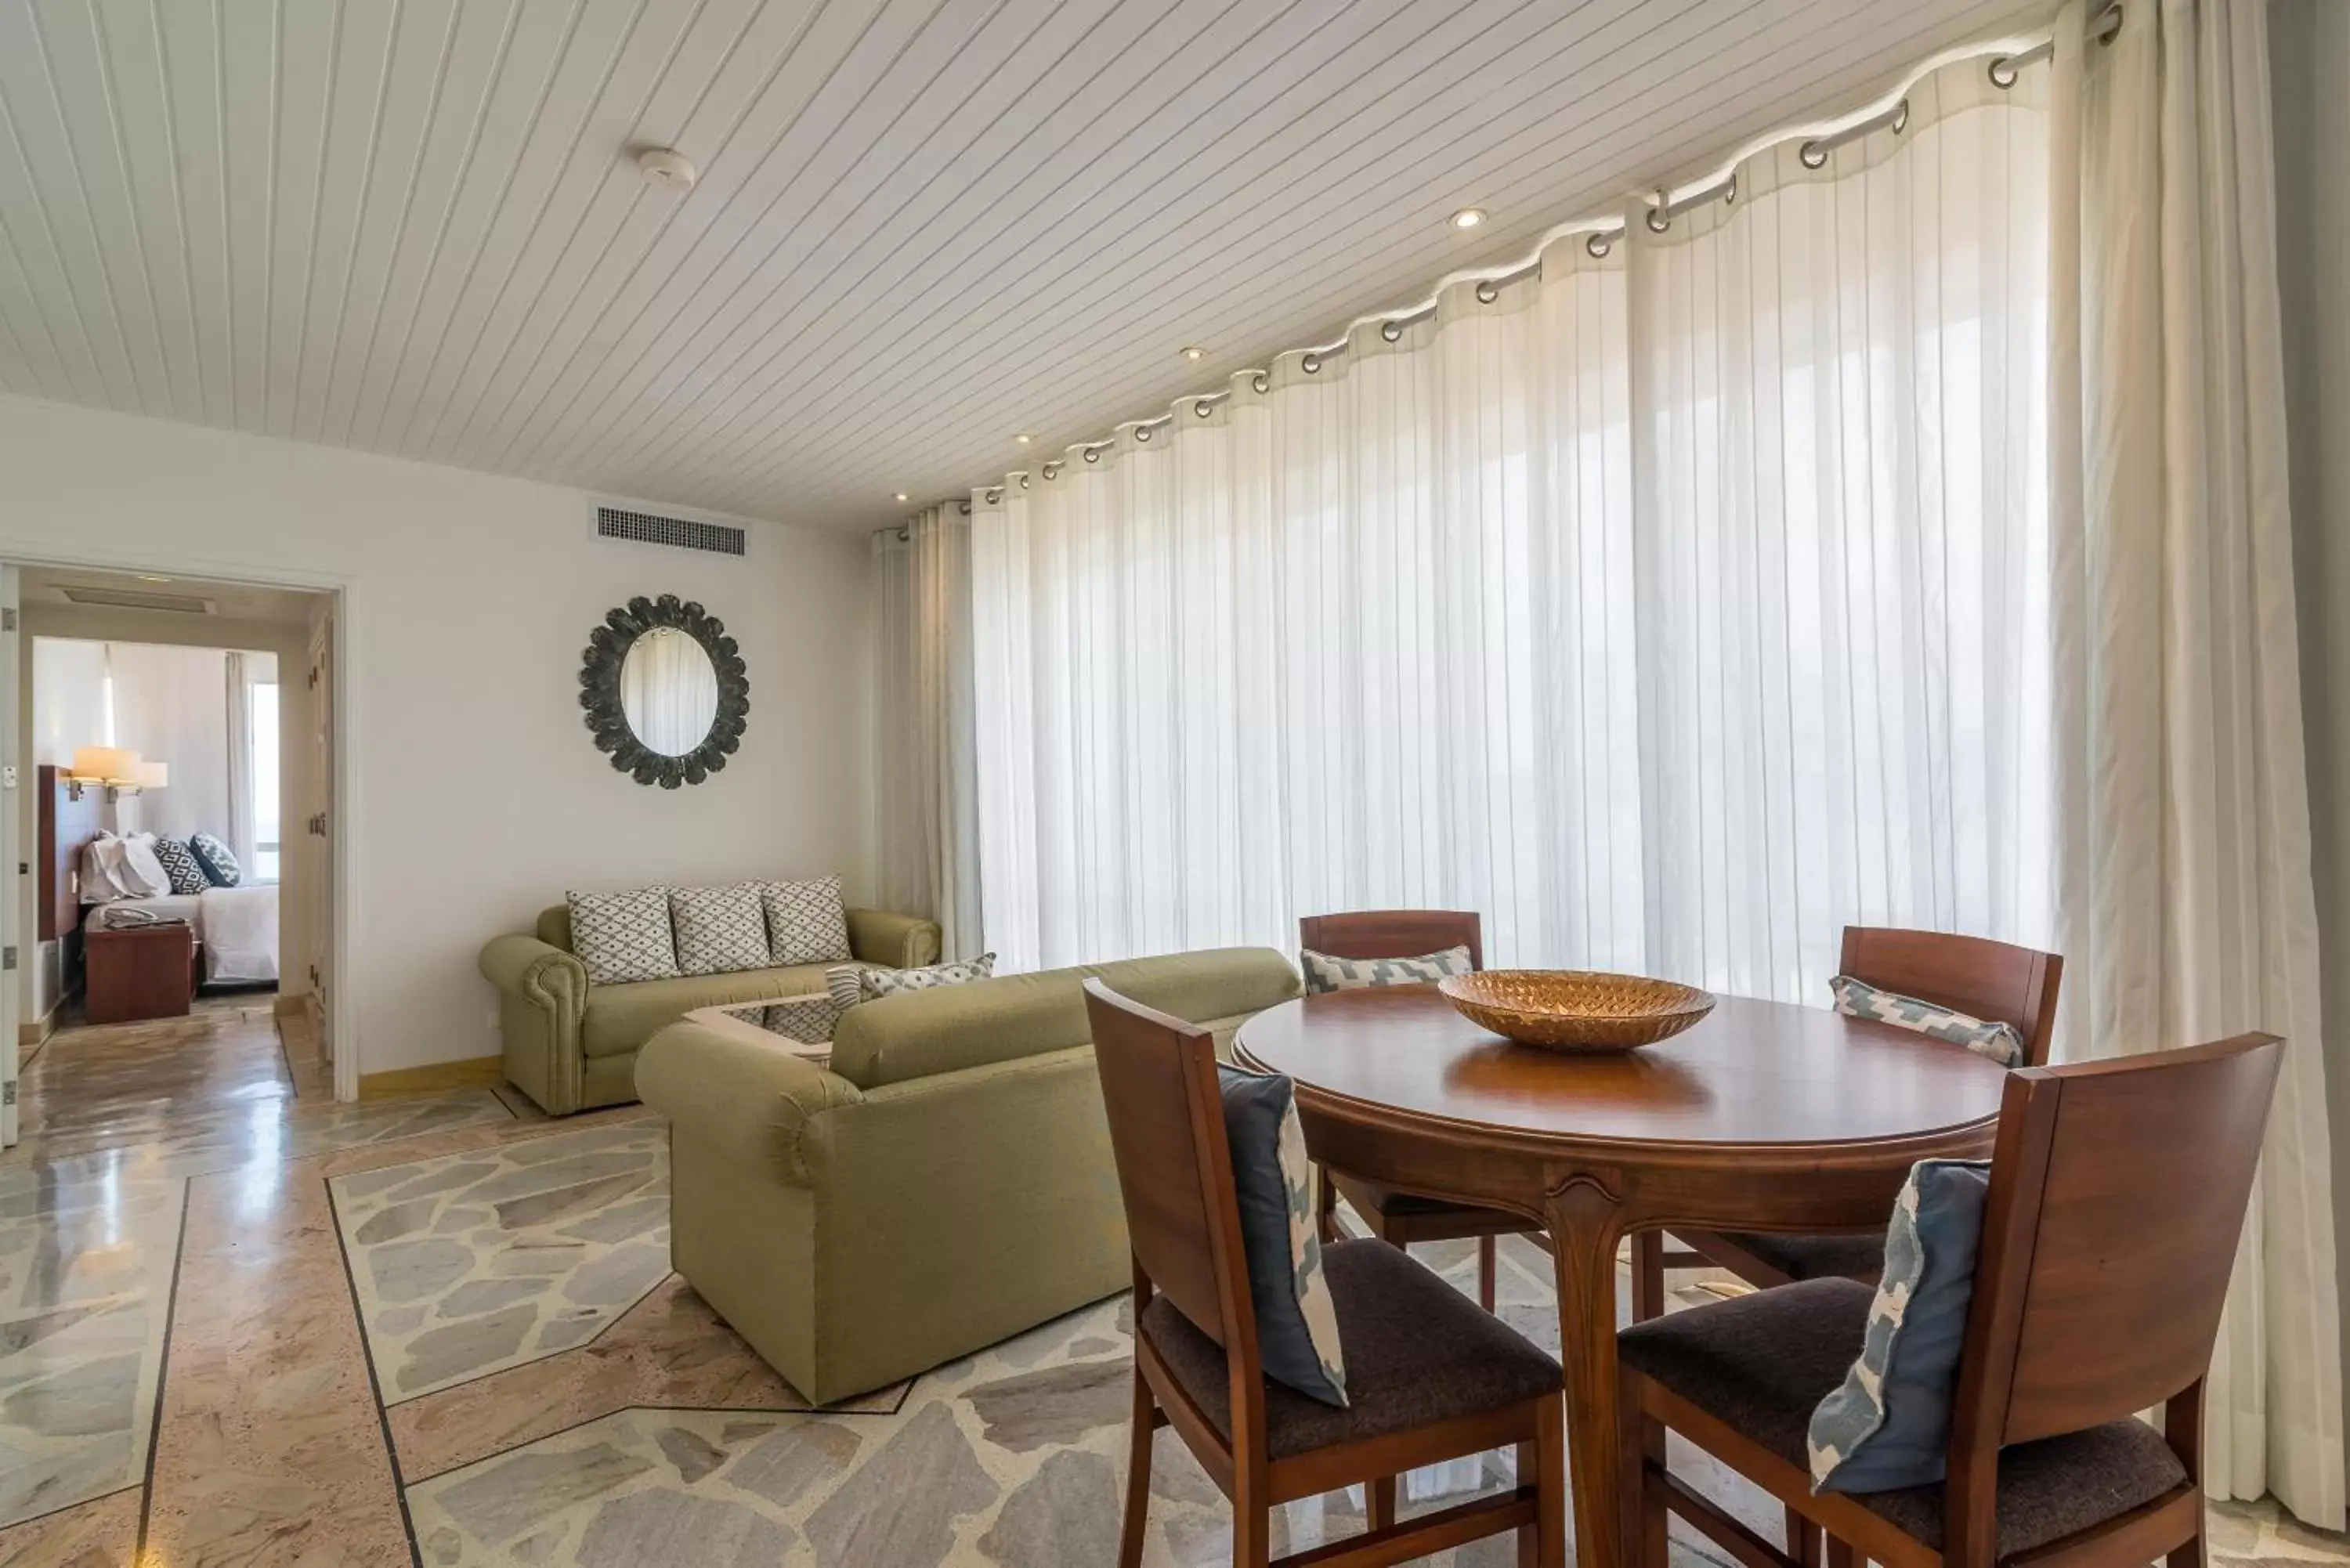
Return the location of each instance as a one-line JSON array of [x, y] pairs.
[[85, 1291], [471, 1264], [668, 1350], [102, 1533]]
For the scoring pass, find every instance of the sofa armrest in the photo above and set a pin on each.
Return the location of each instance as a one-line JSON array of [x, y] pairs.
[[760, 1102], [528, 968], [900, 941]]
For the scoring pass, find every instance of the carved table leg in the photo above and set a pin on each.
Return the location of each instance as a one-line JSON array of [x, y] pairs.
[[1585, 1222]]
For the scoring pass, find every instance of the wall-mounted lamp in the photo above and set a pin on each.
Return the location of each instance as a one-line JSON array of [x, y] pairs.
[[117, 770]]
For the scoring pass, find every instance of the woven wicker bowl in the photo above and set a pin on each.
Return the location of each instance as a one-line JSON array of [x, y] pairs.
[[1576, 1010]]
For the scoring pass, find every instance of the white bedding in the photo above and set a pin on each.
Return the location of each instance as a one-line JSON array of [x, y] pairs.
[[237, 926]]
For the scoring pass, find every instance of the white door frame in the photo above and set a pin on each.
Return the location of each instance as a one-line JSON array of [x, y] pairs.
[[343, 804]]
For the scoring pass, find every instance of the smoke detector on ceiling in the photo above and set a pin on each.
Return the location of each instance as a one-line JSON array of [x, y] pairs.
[[666, 168]]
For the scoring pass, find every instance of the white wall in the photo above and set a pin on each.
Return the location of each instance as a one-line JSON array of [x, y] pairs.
[[478, 795], [2309, 49], [68, 698]]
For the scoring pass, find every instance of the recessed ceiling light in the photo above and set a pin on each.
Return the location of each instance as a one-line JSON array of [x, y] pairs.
[[1195, 353], [1468, 217], [899, 495], [1024, 439], [151, 577]]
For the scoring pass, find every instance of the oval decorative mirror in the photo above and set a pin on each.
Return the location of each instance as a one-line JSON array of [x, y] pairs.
[[665, 691]]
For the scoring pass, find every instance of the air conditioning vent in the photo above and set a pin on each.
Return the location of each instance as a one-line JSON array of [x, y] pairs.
[[131, 598], [675, 532]]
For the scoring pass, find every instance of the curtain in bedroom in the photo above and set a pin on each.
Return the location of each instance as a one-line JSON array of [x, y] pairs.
[[1672, 606], [925, 812], [237, 703], [2187, 910]]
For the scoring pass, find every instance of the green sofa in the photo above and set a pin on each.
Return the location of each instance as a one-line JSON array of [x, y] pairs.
[[572, 1046], [946, 1183]]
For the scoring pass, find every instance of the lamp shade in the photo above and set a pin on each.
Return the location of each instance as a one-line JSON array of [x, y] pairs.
[[150, 775], [108, 764]]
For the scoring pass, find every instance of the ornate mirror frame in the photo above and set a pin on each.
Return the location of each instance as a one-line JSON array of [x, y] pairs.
[[600, 691]]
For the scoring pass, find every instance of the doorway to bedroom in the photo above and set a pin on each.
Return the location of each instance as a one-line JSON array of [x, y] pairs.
[[173, 782]]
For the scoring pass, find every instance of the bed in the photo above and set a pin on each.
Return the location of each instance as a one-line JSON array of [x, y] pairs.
[[235, 928]]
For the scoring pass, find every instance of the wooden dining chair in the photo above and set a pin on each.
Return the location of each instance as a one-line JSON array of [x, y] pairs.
[[1995, 981], [2118, 1190], [1428, 1378], [1396, 1217]]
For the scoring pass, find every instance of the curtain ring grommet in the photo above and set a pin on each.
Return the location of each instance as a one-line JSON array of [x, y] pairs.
[[1598, 246], [2112, 19], [1812, 155], [1659, 219], [1310, 363], [1260, 381], [1730, 192], [1142, 432], [1092, 454], [1488, 291], [1391, 330], [995, 495], [1052, 470], [1203, 408], [1901, 120], [1024, 482], [2002, 72]]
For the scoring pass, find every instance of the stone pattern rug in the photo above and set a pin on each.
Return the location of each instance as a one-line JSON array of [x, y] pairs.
[[470, 1264]]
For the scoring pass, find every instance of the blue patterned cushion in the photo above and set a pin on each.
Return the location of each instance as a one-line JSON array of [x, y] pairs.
[[873, 984], [181, 866], [1296, 1319], [215, 858], [1324, 973], [1887, 1425], [1859, 998]]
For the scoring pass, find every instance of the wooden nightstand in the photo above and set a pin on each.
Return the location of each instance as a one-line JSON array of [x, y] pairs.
[[139, 972]]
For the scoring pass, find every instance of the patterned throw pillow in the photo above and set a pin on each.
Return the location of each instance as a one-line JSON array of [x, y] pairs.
[[181, 866], [623, 937], [1888, 1423], [840, 982], [1296, 1321], [873, 984], [215, 859], [718, 930], [1324, 973], [1859, 998], [805, 921]]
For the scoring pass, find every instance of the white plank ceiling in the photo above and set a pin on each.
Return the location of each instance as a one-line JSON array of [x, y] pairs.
[[414, 227]]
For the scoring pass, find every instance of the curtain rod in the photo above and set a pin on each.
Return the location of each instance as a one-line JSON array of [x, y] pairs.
[[2003, 67]]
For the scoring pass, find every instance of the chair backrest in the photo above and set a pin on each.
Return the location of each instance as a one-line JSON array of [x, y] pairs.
[[1174, 1165], [1394, 933], [2117, 1195], [1995, 981]]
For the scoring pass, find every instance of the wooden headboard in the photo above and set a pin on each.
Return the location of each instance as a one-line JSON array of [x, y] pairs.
[[65, 825]]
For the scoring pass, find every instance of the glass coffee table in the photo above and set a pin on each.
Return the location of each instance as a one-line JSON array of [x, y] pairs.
[[800, 1024]]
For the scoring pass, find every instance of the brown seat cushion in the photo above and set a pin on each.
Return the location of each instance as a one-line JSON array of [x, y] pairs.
[[1760, 1364], [1417, 1351], [1816, 1257]]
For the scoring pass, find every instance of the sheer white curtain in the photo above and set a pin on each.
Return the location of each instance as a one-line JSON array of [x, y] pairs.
[[924, 809], [1672, 608], [2189, 912]]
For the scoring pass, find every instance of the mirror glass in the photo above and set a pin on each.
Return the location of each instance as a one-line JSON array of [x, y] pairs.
[[669, 689]]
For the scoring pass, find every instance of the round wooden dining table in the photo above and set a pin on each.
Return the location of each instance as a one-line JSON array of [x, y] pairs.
[[1764, 1116]]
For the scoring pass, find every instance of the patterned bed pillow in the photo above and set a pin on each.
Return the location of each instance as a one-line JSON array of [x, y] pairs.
[[622, 938], [1324, 973], [875, 983], [181, 866], [805, 921], [1296, 1321], [215, 859], [1888, 1424], [1859, 998], [718, 930]]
